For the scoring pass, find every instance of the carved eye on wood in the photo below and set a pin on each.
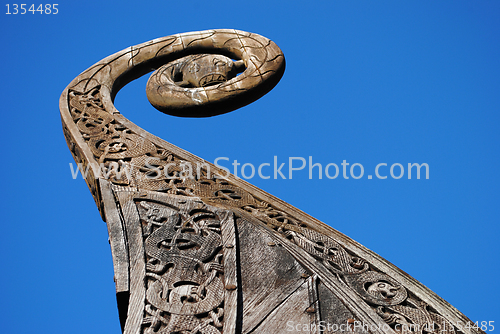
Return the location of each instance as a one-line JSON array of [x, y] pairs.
[[382, 288], [195, 67]]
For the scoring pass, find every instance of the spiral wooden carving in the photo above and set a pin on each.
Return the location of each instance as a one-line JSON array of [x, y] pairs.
[[262, 60]]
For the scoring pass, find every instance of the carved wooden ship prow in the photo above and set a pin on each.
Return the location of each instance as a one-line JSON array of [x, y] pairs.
[[198, 251]]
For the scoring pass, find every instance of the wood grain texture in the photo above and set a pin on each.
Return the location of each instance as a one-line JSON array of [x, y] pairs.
[[269, 274]]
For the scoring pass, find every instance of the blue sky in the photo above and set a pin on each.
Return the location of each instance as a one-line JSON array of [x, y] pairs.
[[367, 82]]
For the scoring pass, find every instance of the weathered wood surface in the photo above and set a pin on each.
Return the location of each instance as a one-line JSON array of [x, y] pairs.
[[206, 253]]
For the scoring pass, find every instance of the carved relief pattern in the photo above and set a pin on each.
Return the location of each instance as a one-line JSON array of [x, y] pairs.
[[118, 149], [80, 160], [184, 270], [415, 316], [124, 158], [384, 294]]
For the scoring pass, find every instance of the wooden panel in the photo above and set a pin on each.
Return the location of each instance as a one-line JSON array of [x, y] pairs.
[[280, 321], [116, 232], [269, 274], [183, 272], [230, 249], [333, 312]]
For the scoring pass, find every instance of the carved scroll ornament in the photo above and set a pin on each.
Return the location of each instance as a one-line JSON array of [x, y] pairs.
[[210, 253]]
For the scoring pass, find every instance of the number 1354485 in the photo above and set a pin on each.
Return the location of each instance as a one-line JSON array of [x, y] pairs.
[[32, 8]]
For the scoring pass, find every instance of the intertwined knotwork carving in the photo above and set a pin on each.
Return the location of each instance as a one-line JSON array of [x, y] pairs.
[[184, 270], [123, 157], [383, 294], [415, 317], [133, 161]]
